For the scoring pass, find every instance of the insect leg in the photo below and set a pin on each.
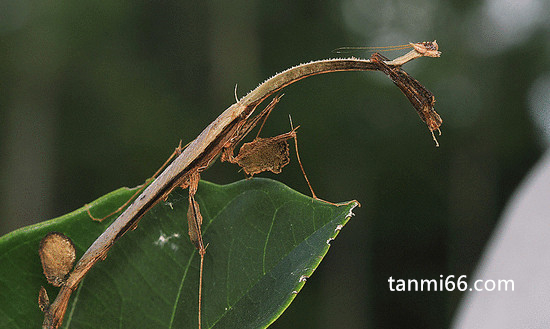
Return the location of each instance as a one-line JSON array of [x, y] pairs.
[[194, 220], [176, 152]]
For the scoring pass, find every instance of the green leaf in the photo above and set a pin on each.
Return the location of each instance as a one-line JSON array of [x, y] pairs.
[[264, 240]]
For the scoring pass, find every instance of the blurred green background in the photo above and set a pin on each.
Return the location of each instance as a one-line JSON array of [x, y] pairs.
[[95, 95]]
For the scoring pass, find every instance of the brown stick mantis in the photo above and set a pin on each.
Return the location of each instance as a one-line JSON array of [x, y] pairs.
[[221, 137]]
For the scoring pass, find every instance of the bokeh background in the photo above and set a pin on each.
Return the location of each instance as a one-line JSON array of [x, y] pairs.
[[95, 95]]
